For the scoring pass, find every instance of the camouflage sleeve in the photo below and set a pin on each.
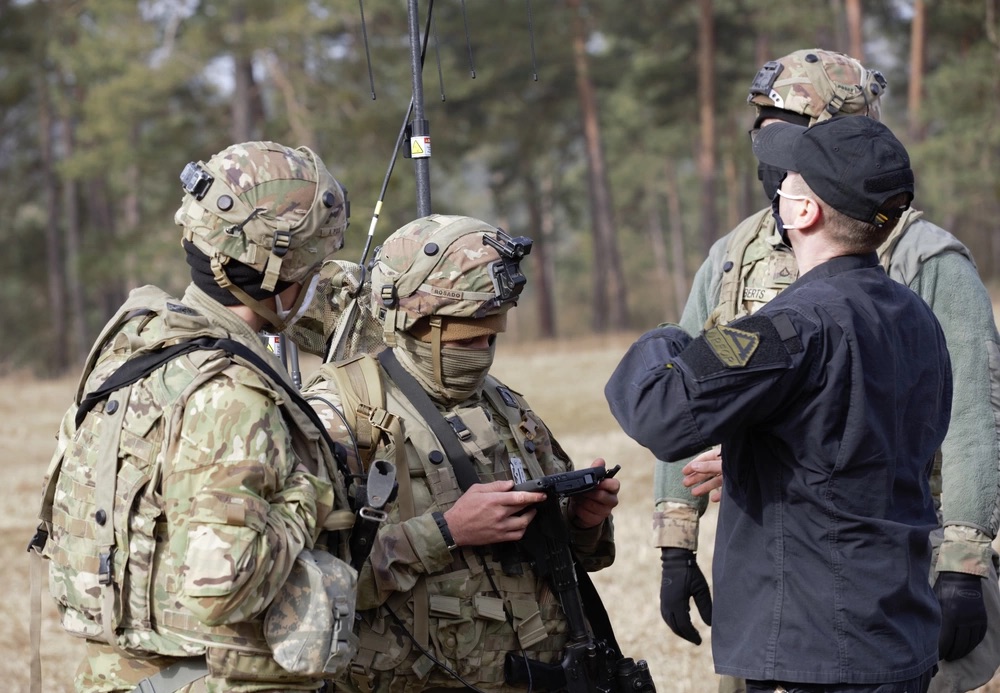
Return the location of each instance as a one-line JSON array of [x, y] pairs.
[[965, 550], [403, 551], [675, 525], [970, 471], [238, 504]]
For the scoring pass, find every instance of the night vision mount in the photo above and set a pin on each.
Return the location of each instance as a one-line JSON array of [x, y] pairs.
[[508, 280]]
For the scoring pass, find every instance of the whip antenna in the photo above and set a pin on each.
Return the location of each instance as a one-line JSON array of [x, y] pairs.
[[392, 160], [468, 41], [368, 55], [437, 52], [531, 37]]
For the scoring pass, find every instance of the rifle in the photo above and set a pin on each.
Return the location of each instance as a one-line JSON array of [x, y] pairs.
[[592, 661]]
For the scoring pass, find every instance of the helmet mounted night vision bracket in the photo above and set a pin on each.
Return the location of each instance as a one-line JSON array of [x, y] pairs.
[[764, 80], [508, 280]]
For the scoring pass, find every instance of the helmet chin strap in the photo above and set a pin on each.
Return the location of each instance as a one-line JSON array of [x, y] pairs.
[[271, 317], [435, 322]]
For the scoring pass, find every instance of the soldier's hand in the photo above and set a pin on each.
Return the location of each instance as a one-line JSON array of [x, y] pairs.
[[491, 513], [963, 613], [593, 507], [703, 474], [682, 580]]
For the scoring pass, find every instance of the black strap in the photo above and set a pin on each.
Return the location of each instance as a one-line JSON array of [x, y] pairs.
[[465, 471], [133, 370], [597, 615], [139, 367]]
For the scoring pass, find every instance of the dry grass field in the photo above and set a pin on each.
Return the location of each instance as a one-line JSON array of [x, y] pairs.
[[564, 382]]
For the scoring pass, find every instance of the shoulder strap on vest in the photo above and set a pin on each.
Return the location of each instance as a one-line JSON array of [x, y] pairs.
[[359, 384], [465, 471], [139, 367], [732, 279]]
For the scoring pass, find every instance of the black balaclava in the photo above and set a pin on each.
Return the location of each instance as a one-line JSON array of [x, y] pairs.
[[243, 276], [779, 225]]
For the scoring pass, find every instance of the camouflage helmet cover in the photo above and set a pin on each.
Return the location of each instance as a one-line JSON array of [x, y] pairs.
[[273, 208], [818, 84], [448, 266]]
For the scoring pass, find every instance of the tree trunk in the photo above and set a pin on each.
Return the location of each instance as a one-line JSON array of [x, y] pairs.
[[58, 361], [80, 345], [915, 94], [247, 108], [547, 325], [677, 250], [732, 181], [295, 107], [706, 117], [610, 307], [661, 262], [854, 32]]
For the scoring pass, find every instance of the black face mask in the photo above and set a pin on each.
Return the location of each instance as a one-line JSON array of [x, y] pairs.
[[775, 199], [770, 177]]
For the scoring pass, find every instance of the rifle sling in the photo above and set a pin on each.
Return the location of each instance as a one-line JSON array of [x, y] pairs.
[[465, 471]]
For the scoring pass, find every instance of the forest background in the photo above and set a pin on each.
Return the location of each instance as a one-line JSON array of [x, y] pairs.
[[613, 132]]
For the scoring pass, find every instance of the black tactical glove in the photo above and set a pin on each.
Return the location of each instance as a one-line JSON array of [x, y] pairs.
[[682, 579], [963, 614]]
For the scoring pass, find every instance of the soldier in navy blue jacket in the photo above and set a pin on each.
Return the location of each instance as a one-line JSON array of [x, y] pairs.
[[829, 403]]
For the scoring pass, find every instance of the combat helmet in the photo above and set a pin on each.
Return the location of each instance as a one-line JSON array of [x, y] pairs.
[[264, 206], [817, 84], [450, 276]]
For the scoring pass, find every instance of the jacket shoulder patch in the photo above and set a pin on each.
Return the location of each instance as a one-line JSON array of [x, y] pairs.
[[732, 346]]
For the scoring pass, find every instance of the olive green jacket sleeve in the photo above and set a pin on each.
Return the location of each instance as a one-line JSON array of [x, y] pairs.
[[676, 511], [970, 454]]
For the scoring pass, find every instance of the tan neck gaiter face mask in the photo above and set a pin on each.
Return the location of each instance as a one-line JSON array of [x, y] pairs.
[[463, 370]]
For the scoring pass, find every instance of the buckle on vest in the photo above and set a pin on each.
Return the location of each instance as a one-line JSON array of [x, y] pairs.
[[372, 514], [461, 430], [104, 569], [378, 417], [38, 541]]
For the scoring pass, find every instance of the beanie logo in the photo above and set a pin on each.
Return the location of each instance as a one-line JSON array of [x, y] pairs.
[[733, 347]]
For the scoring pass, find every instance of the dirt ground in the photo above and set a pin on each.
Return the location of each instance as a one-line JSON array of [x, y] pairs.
[[563, 381]]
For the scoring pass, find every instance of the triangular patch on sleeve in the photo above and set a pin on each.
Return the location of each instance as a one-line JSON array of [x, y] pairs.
[[733, 347]]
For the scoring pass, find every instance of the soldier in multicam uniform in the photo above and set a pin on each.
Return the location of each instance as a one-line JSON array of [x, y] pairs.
[[178, 502], [442, 601], [750, 266]]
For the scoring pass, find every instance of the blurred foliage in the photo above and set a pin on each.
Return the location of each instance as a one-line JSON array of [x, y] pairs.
[[127, 91]]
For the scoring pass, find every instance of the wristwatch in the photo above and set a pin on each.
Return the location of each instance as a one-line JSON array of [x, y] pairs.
[[445, 532]]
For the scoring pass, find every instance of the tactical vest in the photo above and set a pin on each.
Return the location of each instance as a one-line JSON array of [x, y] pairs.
[[101, 506], [456, 613], [756, 267]]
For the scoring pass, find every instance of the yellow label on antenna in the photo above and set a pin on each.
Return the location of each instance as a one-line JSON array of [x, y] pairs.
[[420, 147]]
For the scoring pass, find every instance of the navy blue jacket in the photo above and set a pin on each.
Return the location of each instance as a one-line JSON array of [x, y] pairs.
[[830, 403]]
